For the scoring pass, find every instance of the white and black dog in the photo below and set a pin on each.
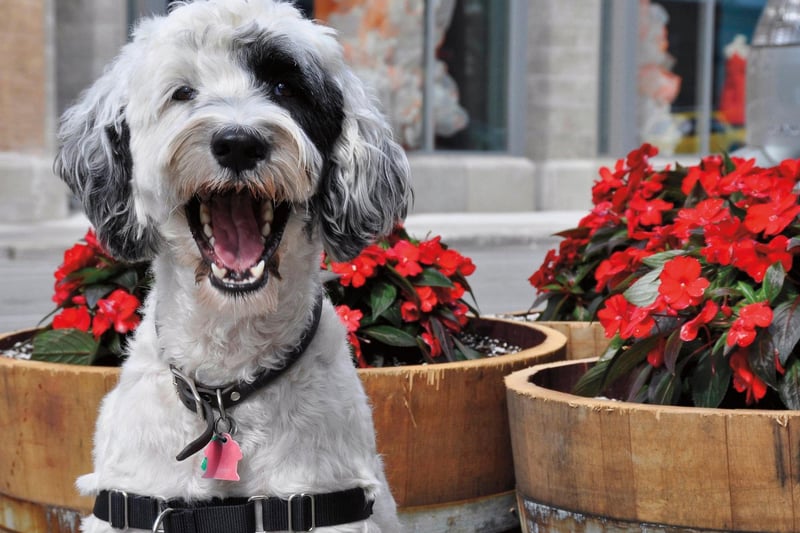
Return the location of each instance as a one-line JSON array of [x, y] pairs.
[[230, 144]]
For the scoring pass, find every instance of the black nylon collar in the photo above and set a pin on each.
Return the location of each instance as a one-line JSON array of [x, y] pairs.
[[204, 399], [301, 512]]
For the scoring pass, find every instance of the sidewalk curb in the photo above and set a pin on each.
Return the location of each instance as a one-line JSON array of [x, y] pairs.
[[457, 229]]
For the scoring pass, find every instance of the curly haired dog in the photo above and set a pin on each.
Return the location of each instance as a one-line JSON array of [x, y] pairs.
[[229, 144]]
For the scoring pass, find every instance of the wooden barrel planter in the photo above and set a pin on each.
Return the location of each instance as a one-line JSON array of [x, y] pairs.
[[442, 429], [443, 432], [47, 418], [599, 465]]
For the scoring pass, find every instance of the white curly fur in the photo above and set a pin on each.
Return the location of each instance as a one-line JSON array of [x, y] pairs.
[[136, 157]]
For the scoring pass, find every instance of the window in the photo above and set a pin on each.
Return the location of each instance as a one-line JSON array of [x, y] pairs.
[[442, 70], [685, 69]]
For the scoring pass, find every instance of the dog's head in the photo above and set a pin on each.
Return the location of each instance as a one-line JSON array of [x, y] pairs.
[[219, 130]]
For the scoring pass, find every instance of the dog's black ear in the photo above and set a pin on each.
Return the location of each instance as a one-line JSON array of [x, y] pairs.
[[94, 159], [365, 189]]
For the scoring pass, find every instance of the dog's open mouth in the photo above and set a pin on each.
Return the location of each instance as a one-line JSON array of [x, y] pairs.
[[237, 235]]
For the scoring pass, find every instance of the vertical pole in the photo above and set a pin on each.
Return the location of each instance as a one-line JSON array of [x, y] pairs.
[[428, 62], [516, 111], [619, 126], [705, 74]]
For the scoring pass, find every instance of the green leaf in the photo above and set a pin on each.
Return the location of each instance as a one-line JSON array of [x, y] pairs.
[[730, 166], [645, 290], [747, 292], [761, 356], [623, 363], [672, 350], [92, 275], [128, 279], [94, 293], [785, 329], [658, 260], [390, 335], [431, 277], [638, 389], [667, 388], [710, 380], [591, 383], [403, 282], [70, 346], [443, 336], [773, 281], [381, 298], [789, 387]]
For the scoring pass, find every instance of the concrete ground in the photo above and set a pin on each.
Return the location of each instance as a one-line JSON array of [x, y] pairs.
[[506, 249]]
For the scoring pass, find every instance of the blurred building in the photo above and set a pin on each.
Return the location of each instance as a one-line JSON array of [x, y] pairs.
[[503, 105]]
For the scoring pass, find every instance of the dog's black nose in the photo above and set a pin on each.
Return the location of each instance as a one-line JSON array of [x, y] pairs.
[[238, 149]]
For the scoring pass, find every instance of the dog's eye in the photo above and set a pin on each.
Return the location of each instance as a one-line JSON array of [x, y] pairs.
[[184, 93], [282, 89]]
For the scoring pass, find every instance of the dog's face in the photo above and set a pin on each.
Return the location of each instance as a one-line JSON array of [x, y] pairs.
[[231, 132]]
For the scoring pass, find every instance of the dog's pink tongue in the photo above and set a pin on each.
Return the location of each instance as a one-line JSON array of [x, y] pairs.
[[237, 237]]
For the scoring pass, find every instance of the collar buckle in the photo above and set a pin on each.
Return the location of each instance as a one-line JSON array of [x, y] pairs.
[[123, 523], [187, 383], [302, 498]]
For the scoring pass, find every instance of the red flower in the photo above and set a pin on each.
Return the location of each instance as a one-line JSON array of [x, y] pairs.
[[409, 312], [447, 295], [351, 318], [355, 272], [73, 317], [681, 283], [656, 356], [744, 380], [742, 330], [690, 329], [640, 323], [705, 214], [448, 261], [432, 342], [64, 289], [615, 315], [76, 258], [407, 257], [772, 217], [427, 298], [644, 212], [755, 258], [721, 239], [612, 271], [117, 310]]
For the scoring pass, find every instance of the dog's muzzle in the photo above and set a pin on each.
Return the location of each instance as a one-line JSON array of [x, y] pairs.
[[238, 234]]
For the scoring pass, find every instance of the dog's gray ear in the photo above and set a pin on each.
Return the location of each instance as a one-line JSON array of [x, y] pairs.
[[94, 159], [365, 189]]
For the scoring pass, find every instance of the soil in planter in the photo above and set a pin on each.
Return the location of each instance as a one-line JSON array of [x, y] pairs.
[[474, 336]]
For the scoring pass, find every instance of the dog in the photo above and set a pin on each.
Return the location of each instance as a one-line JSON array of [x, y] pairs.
[[229, 144]]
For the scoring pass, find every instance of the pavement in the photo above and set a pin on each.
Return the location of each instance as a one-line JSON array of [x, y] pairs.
[[506, 248]]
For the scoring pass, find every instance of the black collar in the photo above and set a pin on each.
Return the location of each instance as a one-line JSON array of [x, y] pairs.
[[205, 399], [301, 512]]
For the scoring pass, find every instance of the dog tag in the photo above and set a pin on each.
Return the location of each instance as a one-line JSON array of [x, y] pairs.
[[222, 456]]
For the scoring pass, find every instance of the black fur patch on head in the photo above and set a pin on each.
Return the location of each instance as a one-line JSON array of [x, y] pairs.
[[295, 82]]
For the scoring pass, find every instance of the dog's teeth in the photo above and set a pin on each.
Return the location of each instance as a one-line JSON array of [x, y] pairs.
[[267, 212], [205, 214], [219, 272], [258, 270], [266, 229], [207, 231], [212, 241]]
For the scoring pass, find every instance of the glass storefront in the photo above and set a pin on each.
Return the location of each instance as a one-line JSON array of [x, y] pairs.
[[466, 66], [691, 62]]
